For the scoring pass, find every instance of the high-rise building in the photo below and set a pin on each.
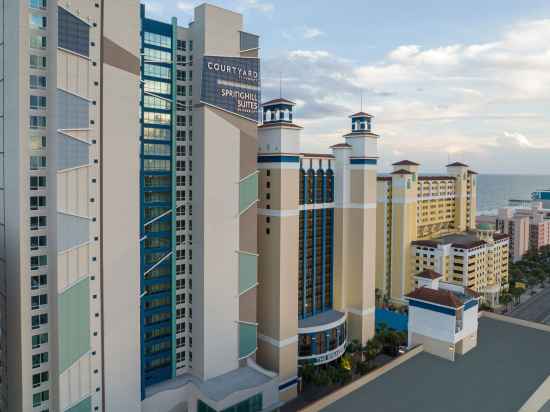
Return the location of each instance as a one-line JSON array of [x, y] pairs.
[[199, 193], [316, 234], [528, 227], [69, 215], [415, 207]]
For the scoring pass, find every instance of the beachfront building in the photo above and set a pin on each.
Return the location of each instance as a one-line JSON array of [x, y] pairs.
[[414, 207], [443, 316], [528, 227], [69, 215], [199, 190], [476, 260], [316, 234], [542, 196]]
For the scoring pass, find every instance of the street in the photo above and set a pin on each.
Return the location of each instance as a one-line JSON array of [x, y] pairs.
[[536, 309]]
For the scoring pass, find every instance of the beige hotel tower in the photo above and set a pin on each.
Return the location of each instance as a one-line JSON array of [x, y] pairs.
[[316, 243]]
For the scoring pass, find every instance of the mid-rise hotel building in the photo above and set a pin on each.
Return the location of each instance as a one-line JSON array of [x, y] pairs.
[[199, 191], [68, 217], [316, 234], [428, 222]]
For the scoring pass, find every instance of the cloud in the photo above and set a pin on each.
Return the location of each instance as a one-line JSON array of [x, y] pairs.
[[257, 5], [312, 33], [187, 6]]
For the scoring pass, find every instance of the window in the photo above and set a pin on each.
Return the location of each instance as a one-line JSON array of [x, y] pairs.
[[37, 122], [154, 55], [38, 42], [181, 121], [38, 222], [38, 301], [156, 118], [181, 105], [153, 102], [38, 4], [37, 62], [156, 134], [39, 320], [37, 102], [37, 22], [182, 75], [37, 162], [181, 60], [38, 340], [37, 261], [182, 45], [37, 202], [157, 40], [155, 70], [37, 182], [73, 33], [181, 91], [180, 165], [153, 86], [38, 282], [156, 149], [40, 378], [37, 82], [180, 135], [40, 397], [156, 165]]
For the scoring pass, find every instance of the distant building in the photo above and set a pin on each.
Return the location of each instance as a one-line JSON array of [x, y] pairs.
[[443, 317], [542, 196], [529, 228], [474, 260], [415, 207], [517, 226]]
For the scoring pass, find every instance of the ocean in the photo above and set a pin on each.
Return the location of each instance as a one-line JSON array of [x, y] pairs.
[[494, 191]]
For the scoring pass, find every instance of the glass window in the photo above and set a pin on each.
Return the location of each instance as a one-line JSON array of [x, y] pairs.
[[37, 82], [37, 102], [38, 4], [153, 86], [38, 142], [37, 62], [153, 102], [38, 42], [73, 33], [157, 40], [182, 45], [154, 55], [156, 118], [156, 70], [37, 162], [37, 22], [156, 134], [37, 122], [156, 165]]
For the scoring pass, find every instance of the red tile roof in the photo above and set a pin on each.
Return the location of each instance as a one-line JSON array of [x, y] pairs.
[[439, 297], [429, 274], [406, 163], [402, 172]]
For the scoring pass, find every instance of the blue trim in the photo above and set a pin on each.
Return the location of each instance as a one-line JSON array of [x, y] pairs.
[[278, 159], [304, 272], [470, 304], [324, 245], [314, 250], [433, 308], [363, 161], [288, 384], [332, 258]]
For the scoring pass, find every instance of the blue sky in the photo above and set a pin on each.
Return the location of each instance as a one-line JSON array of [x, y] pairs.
[[466, 80]]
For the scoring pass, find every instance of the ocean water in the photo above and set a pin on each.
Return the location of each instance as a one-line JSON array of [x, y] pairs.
[[494, 191]]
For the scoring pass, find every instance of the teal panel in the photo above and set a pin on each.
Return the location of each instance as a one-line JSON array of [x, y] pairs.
[[248, 192], [82, 406], [74, 323], [248, 339], [248, 271]]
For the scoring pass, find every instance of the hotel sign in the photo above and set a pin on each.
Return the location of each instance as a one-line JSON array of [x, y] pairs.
[[232, 84]]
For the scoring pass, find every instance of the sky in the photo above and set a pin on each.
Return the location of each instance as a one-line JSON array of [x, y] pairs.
[[463, 81]]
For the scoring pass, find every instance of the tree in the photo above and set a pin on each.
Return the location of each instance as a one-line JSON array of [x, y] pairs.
[[505, 299], [371, 350], [516, 294]]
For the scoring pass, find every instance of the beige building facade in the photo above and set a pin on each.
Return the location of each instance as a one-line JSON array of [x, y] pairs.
[[414, 207], [316, 234], [72, 243]]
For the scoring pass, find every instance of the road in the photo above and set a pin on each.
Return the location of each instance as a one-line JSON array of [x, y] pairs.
[[536, 309]]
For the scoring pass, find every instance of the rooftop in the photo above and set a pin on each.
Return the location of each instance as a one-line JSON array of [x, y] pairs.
[[323, 318], [499, 375], [457, 164], [401, 172], [362, 114], [465, 240], [278, 101], [442, 297], [405, 163], [429, 274]]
